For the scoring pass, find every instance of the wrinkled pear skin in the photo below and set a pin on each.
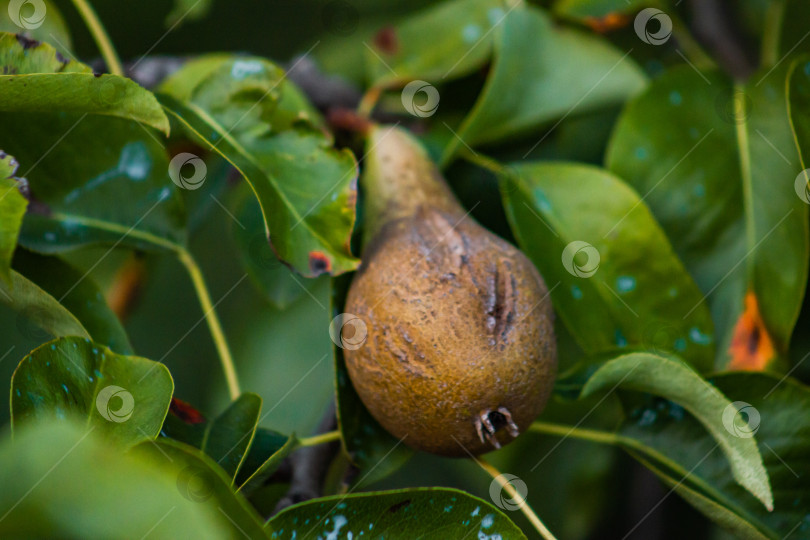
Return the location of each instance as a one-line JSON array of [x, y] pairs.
[[459, 322]]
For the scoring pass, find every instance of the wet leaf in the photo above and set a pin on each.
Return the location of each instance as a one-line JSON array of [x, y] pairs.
[[61, 481], [412, 513], [124, 397], [76, 165], [773, 409], [442, 42], [12, 209], [671, 379], [615, 281], [306, 189], [717, 168], [77, 293], [34, 77], [593, 73]]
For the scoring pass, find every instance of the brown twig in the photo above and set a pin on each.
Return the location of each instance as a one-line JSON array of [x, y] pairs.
[[310, 464]]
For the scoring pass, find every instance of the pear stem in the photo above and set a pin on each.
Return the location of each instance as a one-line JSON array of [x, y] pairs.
[[515, 496]]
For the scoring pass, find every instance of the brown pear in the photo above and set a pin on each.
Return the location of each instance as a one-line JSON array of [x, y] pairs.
[[459, 356]]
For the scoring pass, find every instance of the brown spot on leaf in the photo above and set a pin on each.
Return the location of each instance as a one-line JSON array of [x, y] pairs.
[[319, 263], [751, 346], [26, 42], [607, 23], [186, 412], [399, 506], [386, 40]]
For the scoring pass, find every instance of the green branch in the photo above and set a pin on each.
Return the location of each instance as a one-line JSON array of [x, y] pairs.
[[100, 36], [212, 319]]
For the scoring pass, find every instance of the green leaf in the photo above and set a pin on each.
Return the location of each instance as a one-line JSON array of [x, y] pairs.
[[534, 60], [34, 77], [12, 209], [39, 315], [672, 379], [443, 42], [43, 23], [798, 102], [76, 293], [249, 454], [61, 481], [187, 10], [228, 436], [589, 10], [78, 164], [615, 281], [268, 450], [201, 480], [405, 513], [126, 397], [775, 410], [306, 189], [710, 166], [374, 451], [271, 276]]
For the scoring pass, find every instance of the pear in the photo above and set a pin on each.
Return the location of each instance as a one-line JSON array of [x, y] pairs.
[[459, 356]]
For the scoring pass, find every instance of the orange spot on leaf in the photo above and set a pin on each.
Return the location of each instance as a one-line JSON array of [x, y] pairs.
[[611, 21], [319, 263], [751, 346]]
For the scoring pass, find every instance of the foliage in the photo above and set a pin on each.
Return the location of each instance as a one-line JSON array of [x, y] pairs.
[[661, 191]]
